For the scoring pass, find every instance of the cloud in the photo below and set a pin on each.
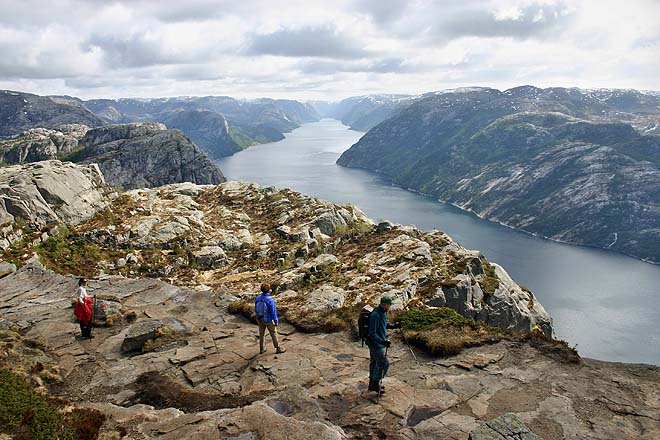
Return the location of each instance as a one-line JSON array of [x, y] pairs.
[[325, 41], [299, 48], [532, 21]]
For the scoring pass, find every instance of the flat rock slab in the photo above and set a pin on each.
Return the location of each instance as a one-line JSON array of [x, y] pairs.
[[139, 333]]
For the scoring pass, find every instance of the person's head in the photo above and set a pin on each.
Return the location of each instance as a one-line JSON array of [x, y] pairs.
[[386, 303], [265, 288], [82, 282]]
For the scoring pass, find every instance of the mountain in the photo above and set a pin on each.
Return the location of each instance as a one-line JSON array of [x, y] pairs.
[[140, 155], [363, 112], [22, 111], [207, 129], [220, 125], [573, 165]]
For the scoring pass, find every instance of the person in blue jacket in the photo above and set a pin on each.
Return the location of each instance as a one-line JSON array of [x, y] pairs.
[[377, 342], [266, 313]]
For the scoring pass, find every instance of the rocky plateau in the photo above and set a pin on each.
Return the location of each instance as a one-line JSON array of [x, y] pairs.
[[175, 270]]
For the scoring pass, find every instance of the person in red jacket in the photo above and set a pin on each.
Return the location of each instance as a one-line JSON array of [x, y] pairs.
[[84, 309]]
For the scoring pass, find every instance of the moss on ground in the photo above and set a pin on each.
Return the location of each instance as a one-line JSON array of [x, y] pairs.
[[442, 331]]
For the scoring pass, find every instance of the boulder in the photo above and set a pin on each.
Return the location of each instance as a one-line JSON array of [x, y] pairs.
[[104, 308], [300, 233], [329, 222], [321, 262], [139, 333], [506, 427], [210, 257], [51, 192], [325, 298]]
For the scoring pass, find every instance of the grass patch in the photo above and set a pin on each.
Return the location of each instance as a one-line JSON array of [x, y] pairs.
[[70, 253], [444, 332], [491, 282], [25, 414], [75, 155]]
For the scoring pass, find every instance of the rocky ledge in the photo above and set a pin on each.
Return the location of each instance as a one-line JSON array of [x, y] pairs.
[[200, 375]]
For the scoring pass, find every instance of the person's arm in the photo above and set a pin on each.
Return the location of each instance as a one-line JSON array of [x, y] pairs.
[[81, 295], [273, 311]]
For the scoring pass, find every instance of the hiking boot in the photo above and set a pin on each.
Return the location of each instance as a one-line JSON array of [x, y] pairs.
[[280, 350], [375, 386]]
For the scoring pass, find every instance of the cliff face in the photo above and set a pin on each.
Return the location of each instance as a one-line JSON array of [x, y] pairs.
[[42, 144], [146, 155], [560, 163], [208, 130], [22, 111]]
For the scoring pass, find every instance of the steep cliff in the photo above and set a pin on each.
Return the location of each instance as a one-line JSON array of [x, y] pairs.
[[146, 155], [562, 163]]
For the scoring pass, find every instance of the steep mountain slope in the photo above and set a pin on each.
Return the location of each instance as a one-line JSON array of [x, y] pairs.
[[142, 155], [567, 164], [207, 129], [364, 112], [22, 111]]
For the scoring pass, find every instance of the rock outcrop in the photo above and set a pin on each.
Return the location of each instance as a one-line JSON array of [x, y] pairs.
[[39, 144], [234, 234], [572, 165], [147, 155], [22, 111], [46, 194]]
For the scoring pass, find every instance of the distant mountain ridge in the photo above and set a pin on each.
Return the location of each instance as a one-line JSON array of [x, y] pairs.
[[21, 111], [581, 166], [219, 125]]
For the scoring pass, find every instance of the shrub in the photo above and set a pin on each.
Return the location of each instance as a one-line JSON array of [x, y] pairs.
[[26, 414]]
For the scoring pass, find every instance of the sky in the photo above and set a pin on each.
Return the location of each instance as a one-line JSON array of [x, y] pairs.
[[325, 50]]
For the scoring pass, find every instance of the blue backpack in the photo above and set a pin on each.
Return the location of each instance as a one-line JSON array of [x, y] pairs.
[[260, 308]]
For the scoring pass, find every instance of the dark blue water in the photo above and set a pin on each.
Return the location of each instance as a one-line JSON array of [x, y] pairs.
[[605, 303]]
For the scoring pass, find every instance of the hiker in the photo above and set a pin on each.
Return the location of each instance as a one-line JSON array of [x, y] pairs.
[[378, 342], [84, 309], [266, 313]]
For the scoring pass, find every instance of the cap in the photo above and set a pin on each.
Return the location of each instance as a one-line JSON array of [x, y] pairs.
[[386, 300]]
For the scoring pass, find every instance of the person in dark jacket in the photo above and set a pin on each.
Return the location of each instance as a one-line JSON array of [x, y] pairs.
[[266, 314], [378, 342]]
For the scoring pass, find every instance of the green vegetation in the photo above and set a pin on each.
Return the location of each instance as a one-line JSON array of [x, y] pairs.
[[491, 282], [75, 155], [443, 331], [25, 414], [70, 253]]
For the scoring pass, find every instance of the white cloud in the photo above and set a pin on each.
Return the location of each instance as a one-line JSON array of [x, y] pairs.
[[306, 49]]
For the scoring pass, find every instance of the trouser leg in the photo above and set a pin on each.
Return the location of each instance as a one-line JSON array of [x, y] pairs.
[[262, 331], [379, 362], [372, 364], [273, 334], [82, 328]]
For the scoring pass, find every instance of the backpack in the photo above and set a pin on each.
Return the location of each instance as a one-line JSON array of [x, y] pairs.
[[260, 308], [363, 322]]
